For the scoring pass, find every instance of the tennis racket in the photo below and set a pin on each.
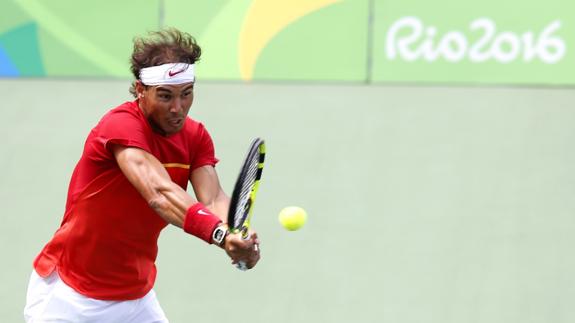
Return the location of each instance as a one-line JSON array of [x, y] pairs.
[[244, 194]]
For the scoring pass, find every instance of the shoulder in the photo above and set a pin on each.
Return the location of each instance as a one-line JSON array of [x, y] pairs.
[[194, 127], [126, 109], [127, 114], [125, 125]]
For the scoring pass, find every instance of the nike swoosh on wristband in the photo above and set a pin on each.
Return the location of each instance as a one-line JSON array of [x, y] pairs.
[[172, 74], [202, 212]]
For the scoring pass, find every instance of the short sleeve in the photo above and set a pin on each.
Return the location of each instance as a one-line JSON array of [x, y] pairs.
[[204, 149], [123, 127]]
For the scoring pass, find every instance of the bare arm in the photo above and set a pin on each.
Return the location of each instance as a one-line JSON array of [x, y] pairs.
[[209, 192], [171, 202], [153, 182]]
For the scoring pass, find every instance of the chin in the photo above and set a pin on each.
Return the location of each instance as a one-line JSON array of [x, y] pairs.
[[172, 130]]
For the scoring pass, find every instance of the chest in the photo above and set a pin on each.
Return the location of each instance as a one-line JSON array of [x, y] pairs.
[[176, 155]]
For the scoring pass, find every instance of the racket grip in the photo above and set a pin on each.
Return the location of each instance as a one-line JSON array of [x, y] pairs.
[[242, 266]]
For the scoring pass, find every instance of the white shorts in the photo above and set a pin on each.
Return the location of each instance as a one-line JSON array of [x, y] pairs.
[[51, 300]]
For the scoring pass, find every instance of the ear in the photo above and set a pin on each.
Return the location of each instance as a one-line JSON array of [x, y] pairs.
[[140, 88]]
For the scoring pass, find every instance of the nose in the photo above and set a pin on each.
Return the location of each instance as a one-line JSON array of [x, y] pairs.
[[176, 105]]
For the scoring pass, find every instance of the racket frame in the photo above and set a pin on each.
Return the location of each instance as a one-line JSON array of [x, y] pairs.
[[257, 147]]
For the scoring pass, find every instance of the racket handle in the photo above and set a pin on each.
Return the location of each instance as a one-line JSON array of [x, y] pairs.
[[242, 266]]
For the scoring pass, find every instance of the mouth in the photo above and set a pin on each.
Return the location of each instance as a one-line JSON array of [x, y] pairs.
[[175, 122]]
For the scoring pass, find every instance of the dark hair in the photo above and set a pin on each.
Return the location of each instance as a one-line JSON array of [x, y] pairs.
[[163, 47]]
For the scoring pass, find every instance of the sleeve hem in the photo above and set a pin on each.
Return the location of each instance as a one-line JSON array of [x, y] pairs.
[[126, 143]]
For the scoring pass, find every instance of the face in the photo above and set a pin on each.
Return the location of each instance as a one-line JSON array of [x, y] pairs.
[[166, 106]]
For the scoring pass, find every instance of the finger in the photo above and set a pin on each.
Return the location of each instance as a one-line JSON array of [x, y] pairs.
[[254, 237], [238, 239], [253, 261], [238, 244], [247, 245], [254, 256], [248, 255]]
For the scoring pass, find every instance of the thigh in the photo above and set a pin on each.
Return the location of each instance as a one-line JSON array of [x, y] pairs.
[[51, 300], [39, 289], [148, 310]]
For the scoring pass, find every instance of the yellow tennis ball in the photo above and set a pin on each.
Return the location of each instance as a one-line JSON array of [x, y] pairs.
[[292, 217]]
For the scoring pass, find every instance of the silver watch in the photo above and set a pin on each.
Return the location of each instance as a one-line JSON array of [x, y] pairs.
[[219, 235]]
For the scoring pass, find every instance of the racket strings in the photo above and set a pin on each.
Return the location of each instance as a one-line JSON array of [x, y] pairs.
[[245, 192]]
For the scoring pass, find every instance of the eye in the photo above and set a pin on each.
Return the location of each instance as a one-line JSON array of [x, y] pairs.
[[164, 96], [187, 94]]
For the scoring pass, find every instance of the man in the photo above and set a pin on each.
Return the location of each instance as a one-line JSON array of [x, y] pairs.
[[128, 185]]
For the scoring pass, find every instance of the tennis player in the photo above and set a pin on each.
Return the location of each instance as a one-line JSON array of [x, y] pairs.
[[129, 184]]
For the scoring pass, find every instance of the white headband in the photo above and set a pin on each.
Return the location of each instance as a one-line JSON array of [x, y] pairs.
[[173, 73]]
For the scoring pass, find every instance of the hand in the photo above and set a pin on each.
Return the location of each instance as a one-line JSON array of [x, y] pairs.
[[239, 249]]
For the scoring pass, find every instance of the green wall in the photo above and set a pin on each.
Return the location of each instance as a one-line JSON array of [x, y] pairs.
[[390, 41]]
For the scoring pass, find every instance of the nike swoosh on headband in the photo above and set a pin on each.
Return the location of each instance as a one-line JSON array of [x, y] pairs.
[[172, 74]]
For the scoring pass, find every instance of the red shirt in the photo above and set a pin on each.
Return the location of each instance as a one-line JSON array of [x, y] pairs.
[[106, 245]]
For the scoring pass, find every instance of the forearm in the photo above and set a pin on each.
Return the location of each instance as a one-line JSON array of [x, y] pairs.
[[166, 198], [209, 191], [178, 208], [220, 206], [172, 203]]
